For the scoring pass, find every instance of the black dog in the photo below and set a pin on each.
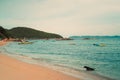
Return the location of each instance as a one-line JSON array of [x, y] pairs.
[[89, 68]]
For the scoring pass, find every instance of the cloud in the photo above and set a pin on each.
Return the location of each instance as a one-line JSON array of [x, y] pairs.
[[66, 17]]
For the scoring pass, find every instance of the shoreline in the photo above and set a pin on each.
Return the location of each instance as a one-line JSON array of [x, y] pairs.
[[12, 69], [2, 43], [62, 72]]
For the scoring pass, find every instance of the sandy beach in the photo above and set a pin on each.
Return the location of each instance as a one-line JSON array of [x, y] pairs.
[[12, 69]]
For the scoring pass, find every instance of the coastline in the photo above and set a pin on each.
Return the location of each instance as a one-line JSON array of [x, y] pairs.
[[2, 43], [12, 69], [15, 67]]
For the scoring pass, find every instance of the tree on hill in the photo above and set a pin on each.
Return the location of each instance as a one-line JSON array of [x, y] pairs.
[[3, 33]]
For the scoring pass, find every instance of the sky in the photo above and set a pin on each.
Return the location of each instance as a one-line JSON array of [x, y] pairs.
[[64, 17]]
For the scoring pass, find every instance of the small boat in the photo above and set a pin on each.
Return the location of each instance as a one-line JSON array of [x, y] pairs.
[[25, 42], [96, 44], [86, 38], [101, 45]]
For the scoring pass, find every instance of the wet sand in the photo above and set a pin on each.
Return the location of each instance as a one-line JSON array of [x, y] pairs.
[[12, 69]]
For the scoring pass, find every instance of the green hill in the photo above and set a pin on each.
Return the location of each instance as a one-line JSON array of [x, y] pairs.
[[23, 32], [3, 33]]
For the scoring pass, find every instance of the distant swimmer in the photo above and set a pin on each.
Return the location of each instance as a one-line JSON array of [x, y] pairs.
[[89, 68]]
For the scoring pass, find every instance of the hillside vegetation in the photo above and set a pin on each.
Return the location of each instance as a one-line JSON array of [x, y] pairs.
[[24, 32]]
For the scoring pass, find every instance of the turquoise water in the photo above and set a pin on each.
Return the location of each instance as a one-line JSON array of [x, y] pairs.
[[75, 53]]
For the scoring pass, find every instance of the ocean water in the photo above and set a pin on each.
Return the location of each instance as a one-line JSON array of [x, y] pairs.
[[74, 53]]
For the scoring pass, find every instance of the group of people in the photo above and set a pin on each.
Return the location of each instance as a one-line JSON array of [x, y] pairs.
[[3, 41]]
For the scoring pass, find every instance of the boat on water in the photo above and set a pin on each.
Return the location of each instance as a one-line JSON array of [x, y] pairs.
[[101, 45], [25, 42]]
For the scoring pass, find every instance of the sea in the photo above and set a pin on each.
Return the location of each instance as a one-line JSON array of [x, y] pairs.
[[99, 52]]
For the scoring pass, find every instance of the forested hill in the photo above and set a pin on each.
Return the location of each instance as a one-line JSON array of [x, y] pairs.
[[23, 32]]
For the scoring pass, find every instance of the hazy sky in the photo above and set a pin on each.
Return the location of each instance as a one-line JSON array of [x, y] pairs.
[[65, 17]]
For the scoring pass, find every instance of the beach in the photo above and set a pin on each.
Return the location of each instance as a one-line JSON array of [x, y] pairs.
[[58, 60], [12, 69]]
